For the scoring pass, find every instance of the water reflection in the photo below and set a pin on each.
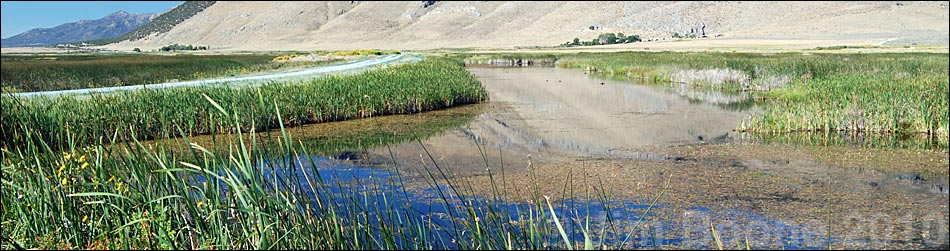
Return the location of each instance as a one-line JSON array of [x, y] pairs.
[[560, 115], [723, 98], [569, 111], [379, 192], [634, 223], [847, 139], [933, 185]]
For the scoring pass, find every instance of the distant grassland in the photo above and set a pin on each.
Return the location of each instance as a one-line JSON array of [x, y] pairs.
[[890, 93], [433, 83], [67, 72]]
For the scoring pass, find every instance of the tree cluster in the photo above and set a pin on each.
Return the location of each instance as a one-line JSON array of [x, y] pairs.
[[606, 38], [179, 47]]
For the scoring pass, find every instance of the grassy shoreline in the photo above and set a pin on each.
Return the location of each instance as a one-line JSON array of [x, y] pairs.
[[28, 73], [243, 195], [65, 188], [434, 83], [902, 94]]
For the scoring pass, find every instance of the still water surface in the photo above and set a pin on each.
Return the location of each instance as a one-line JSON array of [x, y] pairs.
[[564, 123]]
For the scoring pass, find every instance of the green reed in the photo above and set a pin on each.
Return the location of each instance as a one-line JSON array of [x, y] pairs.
[[882, 93], [431, 84], [244, 195], [25, 73]]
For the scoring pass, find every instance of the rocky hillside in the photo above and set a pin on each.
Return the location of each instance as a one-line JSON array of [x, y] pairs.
[[435, 24], [113, 25], [160, 24]]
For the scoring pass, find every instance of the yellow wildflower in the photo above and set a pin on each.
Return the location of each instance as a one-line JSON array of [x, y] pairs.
[[62, 167], [200, 203], [64, 181], [85, 217], [82, 158], [118, 186], [67, 156], [84, 165], [111, 178]]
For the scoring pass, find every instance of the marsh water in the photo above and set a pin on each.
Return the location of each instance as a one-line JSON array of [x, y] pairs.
[[636, 142]]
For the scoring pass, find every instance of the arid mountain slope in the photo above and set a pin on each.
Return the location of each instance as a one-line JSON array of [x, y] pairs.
[[332, 25]]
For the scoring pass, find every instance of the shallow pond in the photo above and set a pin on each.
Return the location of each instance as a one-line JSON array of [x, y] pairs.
[[566, 134]]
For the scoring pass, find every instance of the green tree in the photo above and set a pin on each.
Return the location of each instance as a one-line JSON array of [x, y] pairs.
[[607, 38], [633, 39], [577, 41]]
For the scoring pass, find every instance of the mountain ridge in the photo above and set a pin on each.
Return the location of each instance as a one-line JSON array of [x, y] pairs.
[[333, 25], [111, 25]]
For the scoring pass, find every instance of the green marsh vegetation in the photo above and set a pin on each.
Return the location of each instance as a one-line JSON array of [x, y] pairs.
[[510, 60], [341, 137], [433, 83], [483, 58], [903, 94], [245, 195], [66, 186], [76, 175], [24, 73]]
